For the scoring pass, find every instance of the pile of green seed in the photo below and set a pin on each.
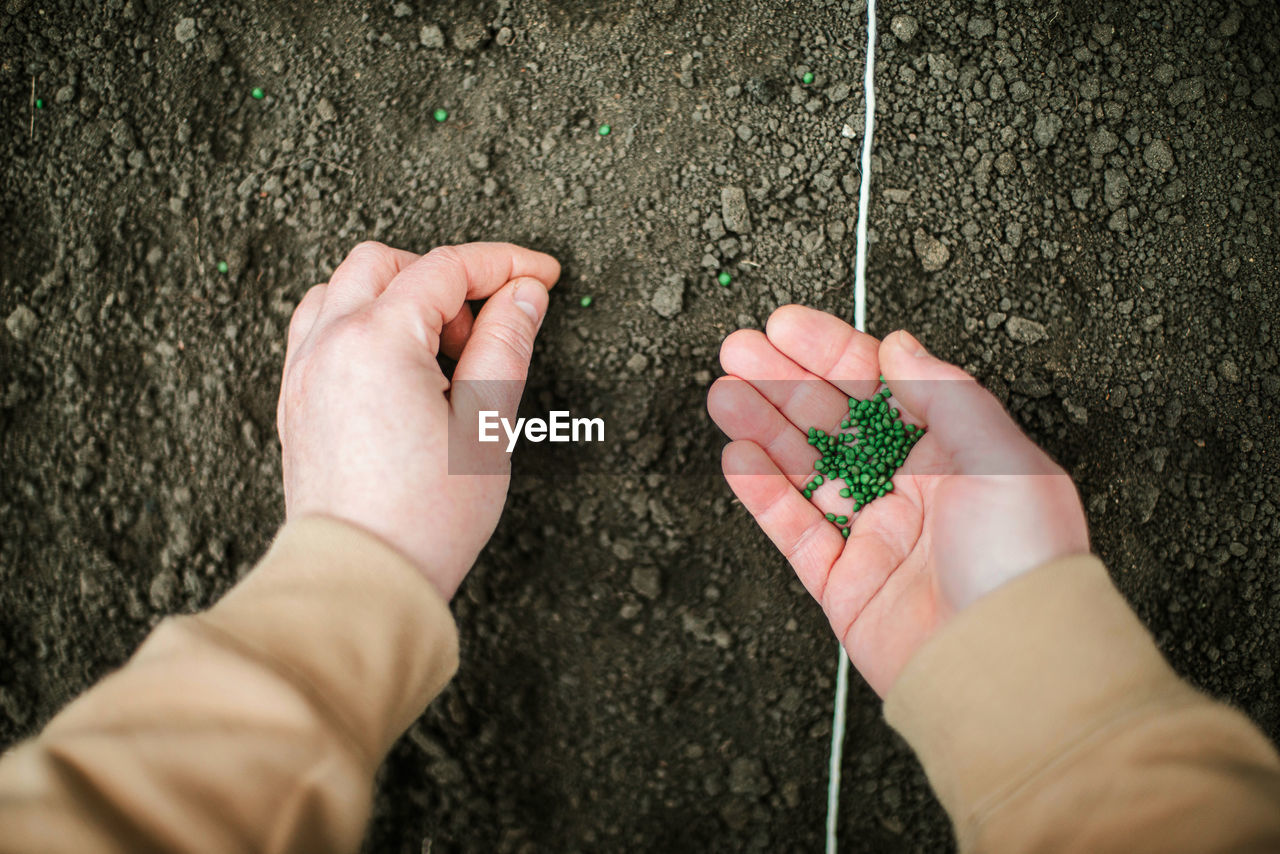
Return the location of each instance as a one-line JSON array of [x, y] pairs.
[[865, 458]]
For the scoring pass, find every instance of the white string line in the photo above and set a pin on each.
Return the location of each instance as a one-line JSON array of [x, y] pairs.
[[860, 323]]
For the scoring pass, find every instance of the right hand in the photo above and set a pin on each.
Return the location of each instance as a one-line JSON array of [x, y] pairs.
[[366, 414], [976, 504]]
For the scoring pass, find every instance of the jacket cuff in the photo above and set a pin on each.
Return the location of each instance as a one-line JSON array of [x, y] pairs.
[[389, 643], [1036, 669]]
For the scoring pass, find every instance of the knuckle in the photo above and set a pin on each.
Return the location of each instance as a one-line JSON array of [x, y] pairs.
[[447, 256], [368, 248]]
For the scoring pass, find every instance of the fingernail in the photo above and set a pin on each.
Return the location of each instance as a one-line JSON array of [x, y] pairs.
[[911, 345], [531, 296]]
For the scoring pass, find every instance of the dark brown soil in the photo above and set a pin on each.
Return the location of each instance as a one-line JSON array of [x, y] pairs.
[[640, 670]]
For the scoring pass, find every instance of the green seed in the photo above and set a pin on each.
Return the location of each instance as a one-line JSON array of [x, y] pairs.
[[724, 279], [258, 94], [440, 114], [844, 532], [585, 302], [39, 103], [808, 78], [605, 130], [865, 457], [222, 267]]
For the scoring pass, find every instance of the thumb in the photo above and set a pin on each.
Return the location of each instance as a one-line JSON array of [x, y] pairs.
[[965, 419], [495, 362]]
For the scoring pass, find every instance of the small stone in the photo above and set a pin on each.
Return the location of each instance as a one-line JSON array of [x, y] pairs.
[[904, 27], [505, 37], [1230, 25], [647, 581], [325, 110], [1119, 221], [931, 251], [733, 210], [1047, 128], [402, 10], [479, 161], [21, 322], [1025, 331], [1078, 413], [668, 299], [1103, 142], [185, 31], [1186, 91], [1080, 197], [469, 35], [1158, 156], [980, 28], [747, 777], [65, 95], [431, 37], [1115, 188], [163, 590], [1228, 371]]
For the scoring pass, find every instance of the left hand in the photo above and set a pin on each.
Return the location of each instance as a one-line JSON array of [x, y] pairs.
[[365, 411]]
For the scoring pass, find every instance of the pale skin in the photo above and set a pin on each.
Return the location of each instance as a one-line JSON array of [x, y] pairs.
[[365, 412]]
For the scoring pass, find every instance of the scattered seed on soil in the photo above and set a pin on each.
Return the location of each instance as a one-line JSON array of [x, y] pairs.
[[724, 279], [258, 94], [605, 130], [808, 78], [440, 115], [222, 267], [39, 103], [585, 302]]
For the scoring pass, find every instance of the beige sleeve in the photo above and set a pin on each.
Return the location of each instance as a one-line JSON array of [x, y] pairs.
[[1046, 720], [255, 726]]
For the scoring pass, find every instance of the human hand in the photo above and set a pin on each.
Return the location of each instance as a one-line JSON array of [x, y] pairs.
[[365, 410], [975, 504]]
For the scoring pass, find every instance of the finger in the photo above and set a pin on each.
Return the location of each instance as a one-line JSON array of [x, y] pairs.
[[809, 542], [828, 347], [430, 292], [304, 318], [362, 276], [492, 368], [805, 399], [962, 417], [743, 413], [456, 332], [300, 326]]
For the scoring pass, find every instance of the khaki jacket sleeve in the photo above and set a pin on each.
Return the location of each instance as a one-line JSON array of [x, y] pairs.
[[255, 726], [1046, 720]]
